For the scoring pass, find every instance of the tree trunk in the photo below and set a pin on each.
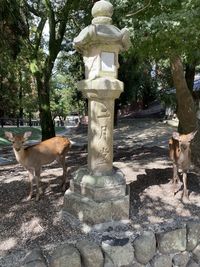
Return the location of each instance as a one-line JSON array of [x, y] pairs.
[[46, 121], [21, 111], [186, 107], [188, 121]]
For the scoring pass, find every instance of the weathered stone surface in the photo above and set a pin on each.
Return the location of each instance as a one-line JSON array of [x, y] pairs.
[[93, 212], [86, 209], [161, 261], [108, 261], [145, 247], [192, 263], [91, 254], [196, 253], [65, 256], [104, 9], [137, 264], [172, 242], [35, 258], [181, 259], [98, 188], [120, 208], [119, 251], [193, 235], [100, 131]]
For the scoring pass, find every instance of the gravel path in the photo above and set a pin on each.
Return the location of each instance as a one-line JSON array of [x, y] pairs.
[[140, 151]]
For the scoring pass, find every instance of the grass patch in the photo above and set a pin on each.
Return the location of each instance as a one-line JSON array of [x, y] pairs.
[[36, 133]]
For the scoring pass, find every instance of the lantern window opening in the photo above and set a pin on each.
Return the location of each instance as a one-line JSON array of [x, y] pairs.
[[108, 61]]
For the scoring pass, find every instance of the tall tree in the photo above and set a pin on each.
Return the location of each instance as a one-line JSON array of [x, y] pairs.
[[44, 51]]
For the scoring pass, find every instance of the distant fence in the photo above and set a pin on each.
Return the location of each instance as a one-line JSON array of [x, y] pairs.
[[18, 122], [70, 120]]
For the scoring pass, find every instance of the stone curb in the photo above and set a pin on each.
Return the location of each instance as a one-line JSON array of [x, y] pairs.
[[178, 248]]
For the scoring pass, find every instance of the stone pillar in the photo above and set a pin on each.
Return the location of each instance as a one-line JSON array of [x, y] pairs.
[[98, 191], [100, 126]]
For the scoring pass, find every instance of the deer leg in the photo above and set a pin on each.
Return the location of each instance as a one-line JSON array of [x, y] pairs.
[[175, 174], [37, 179], [185, 191], [64, 176], [31, 176], [175, 177]]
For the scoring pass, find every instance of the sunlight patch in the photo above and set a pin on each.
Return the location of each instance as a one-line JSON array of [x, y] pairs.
[[12, 179], [8, 243], [57, 218], [155, 219], [80, 215], [32, 227]]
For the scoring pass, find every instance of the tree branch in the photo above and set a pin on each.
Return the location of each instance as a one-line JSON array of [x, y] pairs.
[[38, 34], [52, 26], [140, 10], [75, 22], [65, 12], [35, 12]]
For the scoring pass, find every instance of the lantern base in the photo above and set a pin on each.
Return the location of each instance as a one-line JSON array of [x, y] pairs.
[[97, 199], [91, 212]]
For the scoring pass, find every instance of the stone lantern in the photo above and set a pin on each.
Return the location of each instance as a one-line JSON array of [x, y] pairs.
[[98, 191]]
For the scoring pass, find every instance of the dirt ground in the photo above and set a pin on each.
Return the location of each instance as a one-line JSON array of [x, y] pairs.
[[140, 151]]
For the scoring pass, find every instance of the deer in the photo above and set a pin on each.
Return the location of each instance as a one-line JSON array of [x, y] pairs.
[[33, 157], [180, 154]]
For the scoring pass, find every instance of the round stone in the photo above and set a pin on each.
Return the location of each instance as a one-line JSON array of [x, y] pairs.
[[102, 8]]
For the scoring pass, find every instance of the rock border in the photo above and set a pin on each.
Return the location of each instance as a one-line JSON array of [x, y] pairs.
[[177, 247]]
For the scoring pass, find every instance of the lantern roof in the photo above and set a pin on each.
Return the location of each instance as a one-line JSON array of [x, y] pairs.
[[101, 31]]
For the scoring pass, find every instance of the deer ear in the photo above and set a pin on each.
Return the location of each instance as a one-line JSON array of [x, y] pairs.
[[176, 136], [27, 135], [192, 135], [9, 136]]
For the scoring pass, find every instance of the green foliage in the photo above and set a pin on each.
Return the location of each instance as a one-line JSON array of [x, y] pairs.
[[17, 88], [34, 67], [168, 99], [66, 100], [52, 27], [164, 27], [160, 29], [8, 85], [13, 27], [65, 97], [139, 85]]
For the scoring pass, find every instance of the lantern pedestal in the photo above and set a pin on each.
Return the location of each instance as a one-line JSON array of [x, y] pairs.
[[97, 199]]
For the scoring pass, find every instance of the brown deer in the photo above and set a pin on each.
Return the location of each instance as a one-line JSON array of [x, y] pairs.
[[180, 154], [33, 157]]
